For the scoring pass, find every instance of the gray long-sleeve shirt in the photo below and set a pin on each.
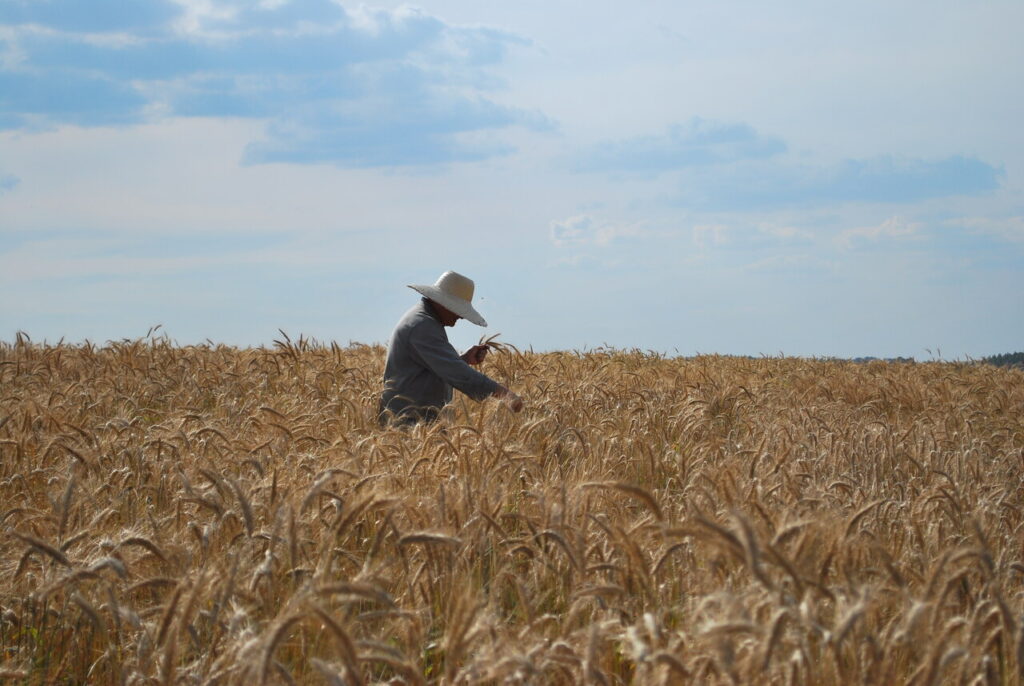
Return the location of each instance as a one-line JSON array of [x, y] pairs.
[[422, 367]]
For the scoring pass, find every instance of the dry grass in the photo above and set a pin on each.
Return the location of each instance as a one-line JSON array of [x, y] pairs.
[[214, 515]]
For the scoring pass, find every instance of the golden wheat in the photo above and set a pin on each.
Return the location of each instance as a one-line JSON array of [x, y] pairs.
[[208, 514]]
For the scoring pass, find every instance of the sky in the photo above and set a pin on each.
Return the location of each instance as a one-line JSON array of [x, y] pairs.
[[734, 177]]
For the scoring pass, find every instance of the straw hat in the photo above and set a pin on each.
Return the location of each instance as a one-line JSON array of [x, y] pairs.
[[454, 292]]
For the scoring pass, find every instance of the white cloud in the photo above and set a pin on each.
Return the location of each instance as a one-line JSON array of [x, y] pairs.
[[766, 236], [583, 230], [571, 231], [892, 228], [356, 88], [196, 12]]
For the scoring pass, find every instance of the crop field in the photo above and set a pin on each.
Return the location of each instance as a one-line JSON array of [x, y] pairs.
[[214, 515]]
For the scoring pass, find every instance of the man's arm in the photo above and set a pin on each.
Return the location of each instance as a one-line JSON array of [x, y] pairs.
[[442, 359], [438, 355], [475, 356]]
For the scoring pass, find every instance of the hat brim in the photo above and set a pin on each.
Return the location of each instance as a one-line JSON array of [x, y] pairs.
[[457, 305]]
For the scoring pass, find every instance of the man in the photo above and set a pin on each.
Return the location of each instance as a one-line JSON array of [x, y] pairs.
[[422, 366]]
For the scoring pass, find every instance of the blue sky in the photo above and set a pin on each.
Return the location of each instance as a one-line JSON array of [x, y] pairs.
[[732, 177]]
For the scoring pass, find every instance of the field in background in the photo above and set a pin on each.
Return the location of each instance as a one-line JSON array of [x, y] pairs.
[[214, 515]]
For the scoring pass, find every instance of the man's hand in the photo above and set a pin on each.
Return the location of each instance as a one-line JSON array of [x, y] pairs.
[[475, 355], [514, 402]]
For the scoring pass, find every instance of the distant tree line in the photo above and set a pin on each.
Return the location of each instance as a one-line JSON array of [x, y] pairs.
[[1006, 360]]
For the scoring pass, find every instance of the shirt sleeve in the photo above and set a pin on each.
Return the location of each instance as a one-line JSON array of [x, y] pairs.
[[440, 357]]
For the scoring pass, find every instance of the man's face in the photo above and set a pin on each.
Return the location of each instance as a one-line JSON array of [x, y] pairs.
[[447, 317]]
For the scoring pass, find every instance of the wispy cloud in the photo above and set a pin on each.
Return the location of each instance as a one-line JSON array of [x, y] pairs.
[[352, 87], [891, 228], [698, 143], [400, 126], [585, 230], [767, 236]]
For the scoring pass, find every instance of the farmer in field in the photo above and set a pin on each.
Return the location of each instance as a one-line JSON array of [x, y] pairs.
[[423, 367]]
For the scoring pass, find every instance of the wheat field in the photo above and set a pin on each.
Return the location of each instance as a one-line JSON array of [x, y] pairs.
[[215, 515]]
